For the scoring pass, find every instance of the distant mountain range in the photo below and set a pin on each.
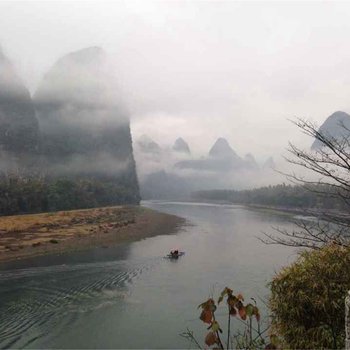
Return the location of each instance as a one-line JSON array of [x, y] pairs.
[[220, 168], [75, 127], [173, 172], [221, 157]]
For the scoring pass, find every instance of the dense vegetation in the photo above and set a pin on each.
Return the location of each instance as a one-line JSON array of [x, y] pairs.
[[277, 196], [34, 194], [307, 299]]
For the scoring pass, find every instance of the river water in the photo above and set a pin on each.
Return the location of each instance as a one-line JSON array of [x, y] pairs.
[[130, 296]]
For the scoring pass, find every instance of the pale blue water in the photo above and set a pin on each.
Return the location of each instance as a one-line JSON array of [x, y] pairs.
[[130, 296]]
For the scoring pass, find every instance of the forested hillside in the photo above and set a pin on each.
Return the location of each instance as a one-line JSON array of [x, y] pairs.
[[287, 196], [70, 147]]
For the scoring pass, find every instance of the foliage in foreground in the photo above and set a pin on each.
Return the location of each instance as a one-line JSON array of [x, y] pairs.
[[307, 299], [252, 337]]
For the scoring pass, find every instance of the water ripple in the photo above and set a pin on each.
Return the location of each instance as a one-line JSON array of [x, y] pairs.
[[36, 301]]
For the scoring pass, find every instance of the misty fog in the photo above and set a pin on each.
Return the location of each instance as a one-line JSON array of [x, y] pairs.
[[196, 70]]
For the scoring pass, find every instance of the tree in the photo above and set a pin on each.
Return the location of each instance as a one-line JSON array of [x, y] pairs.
[[307, 299], [331, 165]]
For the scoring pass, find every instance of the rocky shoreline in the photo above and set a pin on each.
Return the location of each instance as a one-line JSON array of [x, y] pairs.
[[25, 236]]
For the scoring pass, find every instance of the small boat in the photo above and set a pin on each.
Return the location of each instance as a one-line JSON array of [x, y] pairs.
[[174, 255]]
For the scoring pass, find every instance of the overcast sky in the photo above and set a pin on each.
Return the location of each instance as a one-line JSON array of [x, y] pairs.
[[200, 69]]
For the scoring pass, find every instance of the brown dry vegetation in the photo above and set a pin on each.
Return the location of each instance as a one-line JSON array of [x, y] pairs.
[[29, 235]]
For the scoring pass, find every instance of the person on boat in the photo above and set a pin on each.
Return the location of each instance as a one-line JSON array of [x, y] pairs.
[[174, 253]]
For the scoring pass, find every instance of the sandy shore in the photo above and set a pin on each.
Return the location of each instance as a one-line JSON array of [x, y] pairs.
[[24, 236]]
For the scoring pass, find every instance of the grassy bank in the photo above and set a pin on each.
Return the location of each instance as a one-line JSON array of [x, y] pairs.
[[23, 236]]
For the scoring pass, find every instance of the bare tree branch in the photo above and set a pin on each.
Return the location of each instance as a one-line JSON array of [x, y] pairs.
[[331, 161]]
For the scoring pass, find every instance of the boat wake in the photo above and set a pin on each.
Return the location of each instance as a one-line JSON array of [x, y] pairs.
[[37, 301]]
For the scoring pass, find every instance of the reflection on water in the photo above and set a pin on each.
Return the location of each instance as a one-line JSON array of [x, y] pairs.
[[130, 296]]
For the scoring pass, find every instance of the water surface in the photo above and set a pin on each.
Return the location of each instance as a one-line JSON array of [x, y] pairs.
[[129, 296]]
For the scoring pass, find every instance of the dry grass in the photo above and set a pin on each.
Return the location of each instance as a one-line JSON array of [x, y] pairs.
[[20, 231]]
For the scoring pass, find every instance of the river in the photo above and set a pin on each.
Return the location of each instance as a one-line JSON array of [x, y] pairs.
[[129, 296]]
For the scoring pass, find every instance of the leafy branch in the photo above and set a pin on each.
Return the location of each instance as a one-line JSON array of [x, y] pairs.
[[252, 337]]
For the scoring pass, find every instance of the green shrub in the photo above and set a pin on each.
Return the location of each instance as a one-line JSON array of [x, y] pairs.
[[307, 299]]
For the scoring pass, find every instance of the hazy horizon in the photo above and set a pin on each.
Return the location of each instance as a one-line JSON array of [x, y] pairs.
[[199, 70]]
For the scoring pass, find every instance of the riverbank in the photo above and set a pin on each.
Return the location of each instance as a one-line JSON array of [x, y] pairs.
[[24, 236], [303, 212], [317, 212], [283, 210]]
